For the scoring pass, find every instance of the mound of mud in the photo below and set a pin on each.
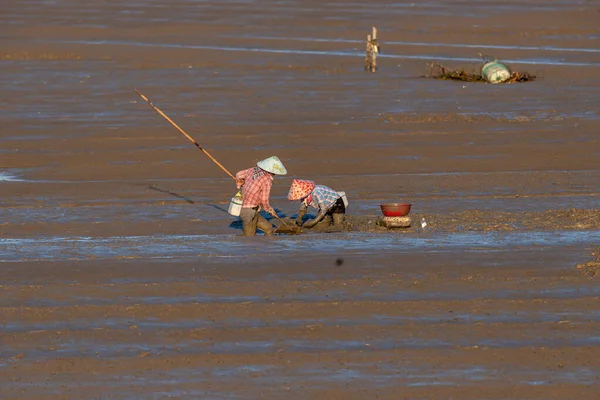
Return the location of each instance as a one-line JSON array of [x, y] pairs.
[[477, 221]]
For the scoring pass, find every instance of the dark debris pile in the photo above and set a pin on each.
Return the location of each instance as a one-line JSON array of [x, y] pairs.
[[438, 71]]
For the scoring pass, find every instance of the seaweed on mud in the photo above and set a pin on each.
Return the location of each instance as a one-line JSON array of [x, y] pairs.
[[26, 56], [438, 71], [48, 56], [591, 269], [517, 76]]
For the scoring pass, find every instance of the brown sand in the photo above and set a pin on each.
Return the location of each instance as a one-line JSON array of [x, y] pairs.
[[122, 277]]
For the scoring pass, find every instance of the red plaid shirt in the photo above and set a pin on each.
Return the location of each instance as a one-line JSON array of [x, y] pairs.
[[256, 189]]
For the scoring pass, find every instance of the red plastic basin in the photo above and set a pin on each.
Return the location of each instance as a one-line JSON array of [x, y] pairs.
[[395, 209]]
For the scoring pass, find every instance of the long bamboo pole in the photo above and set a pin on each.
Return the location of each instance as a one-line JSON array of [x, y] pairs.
[[184, 134]]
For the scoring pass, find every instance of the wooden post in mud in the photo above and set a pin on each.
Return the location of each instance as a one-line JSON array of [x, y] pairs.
[[374, 50], [371, 52], [368, 54]]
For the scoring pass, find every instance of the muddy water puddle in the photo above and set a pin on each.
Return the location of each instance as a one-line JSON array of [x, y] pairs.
[[153, 324], [9, 177], [338, 53], [408, 375], [88, 348], [318, 377], [116, 297], [428, 44], [199, 246], [91, 213]]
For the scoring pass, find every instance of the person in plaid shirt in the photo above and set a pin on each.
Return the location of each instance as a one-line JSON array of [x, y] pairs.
[[329, 203], [256, 185]]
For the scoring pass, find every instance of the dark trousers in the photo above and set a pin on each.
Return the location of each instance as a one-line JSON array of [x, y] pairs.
[[337, 212]]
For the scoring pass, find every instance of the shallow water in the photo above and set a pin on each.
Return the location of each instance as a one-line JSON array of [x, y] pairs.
[[117, 297], [386, 373], [425, 44], [89, 349], [347, 53], [199, 246], [152, 324], [9, 177]]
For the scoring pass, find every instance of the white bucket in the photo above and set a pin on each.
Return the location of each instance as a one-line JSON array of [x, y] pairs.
[[235, 206], [344, 198], [494, 72]]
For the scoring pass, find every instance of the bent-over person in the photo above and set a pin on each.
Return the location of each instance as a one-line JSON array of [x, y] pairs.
[[329, 203]]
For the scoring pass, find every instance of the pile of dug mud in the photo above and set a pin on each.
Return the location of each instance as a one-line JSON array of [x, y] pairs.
[[478, 221]]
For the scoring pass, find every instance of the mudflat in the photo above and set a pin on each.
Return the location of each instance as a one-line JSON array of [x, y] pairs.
[[123, 277]]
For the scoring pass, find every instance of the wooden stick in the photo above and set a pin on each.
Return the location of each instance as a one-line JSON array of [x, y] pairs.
[[185, 134], [374, 50], [290, 227]]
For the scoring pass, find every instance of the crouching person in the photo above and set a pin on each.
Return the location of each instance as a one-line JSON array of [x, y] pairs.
[[329, 203], [256, 183]]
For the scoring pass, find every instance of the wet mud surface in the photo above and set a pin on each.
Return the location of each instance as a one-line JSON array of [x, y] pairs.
[[122, 276]]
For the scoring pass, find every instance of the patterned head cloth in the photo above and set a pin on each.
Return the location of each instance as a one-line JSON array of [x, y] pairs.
[[300, 189]]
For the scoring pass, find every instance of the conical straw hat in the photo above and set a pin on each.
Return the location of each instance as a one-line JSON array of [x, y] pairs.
[[300, 189], [272, 165]]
